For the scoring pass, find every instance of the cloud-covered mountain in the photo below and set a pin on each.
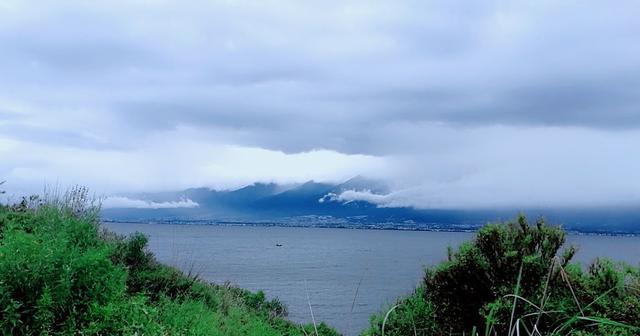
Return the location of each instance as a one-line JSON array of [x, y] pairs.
[[358, 202], [259, 200]]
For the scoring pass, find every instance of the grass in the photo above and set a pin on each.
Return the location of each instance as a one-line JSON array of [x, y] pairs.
[[60, 274], [492, 282]]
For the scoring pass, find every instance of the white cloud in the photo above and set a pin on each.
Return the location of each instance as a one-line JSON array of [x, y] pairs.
[[124, 202], [348, 196], [170, 161]]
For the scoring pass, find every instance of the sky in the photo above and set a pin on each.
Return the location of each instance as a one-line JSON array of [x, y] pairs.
[[456, 104]]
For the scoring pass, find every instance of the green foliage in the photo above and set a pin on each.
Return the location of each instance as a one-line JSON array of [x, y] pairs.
[[413, 315], [510, 275], [54, 273], [60, 275]]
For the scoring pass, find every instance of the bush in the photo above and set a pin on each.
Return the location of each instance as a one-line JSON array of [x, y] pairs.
[[52, 275], [411, 316], [59, 275], [511, 274]]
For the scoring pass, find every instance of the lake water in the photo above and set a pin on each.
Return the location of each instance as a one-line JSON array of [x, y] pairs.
[[326, 265]]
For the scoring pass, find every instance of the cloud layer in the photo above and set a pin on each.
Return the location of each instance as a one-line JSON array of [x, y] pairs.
[[125, 202], [455, 103]]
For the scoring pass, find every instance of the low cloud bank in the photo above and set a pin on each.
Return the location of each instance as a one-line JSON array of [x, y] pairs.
[[462, 196], [124, 202], [348, 196], [396, 199]]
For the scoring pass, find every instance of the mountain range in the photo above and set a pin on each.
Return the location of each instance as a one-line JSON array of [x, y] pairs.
[[319, 204]]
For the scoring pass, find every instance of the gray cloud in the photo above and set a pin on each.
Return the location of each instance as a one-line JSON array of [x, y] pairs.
[[435, 86]]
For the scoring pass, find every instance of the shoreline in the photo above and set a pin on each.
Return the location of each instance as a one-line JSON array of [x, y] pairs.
[[422, 227]]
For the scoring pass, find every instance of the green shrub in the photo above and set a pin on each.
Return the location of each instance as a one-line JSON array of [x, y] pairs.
[[516, 274], [411, 316], [60, 275], [52, 275]]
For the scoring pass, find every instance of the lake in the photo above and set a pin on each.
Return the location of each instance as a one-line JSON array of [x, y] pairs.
[[327, 266]]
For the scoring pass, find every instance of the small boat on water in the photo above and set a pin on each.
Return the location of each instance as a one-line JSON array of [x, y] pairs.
[[278, 245]]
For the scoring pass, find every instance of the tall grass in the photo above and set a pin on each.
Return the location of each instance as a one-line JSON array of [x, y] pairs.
[[492, 282], [60, 274]]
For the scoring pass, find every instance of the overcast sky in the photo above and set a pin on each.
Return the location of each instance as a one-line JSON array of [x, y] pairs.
[[455, 103]]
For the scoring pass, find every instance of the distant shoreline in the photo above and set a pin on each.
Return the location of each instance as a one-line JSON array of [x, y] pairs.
[[417, 227]]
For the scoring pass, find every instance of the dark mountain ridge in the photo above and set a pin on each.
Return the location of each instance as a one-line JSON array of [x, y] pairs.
[[317, 204]]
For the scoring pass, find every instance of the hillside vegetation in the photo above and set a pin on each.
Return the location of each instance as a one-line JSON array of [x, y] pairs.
[[514, 279], [61, 275]]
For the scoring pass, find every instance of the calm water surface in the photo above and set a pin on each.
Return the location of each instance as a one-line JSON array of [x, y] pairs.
[[326, 264]]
